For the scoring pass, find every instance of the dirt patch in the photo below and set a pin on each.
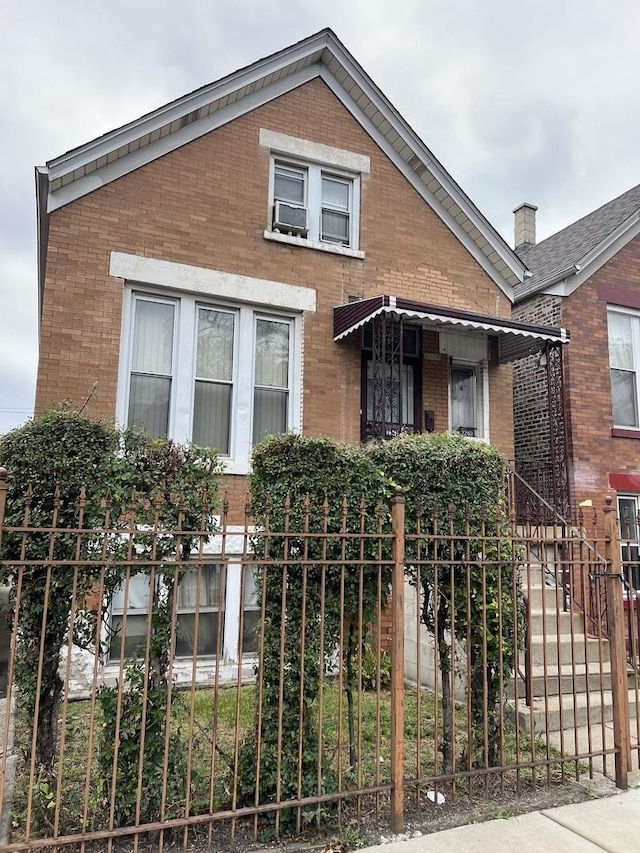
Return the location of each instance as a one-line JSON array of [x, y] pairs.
[[422, 817]]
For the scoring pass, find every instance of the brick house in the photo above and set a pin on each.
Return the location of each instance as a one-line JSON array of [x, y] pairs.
[[586, 277], [277, 250]]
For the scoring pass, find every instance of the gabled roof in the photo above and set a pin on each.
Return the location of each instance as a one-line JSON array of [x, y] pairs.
[[90, 166], [581, 248]]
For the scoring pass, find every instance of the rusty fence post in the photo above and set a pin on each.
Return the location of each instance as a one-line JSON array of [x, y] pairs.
[[617, 644], [397, 662]]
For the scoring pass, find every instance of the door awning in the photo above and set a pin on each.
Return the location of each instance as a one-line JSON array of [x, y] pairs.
[[515, 339]]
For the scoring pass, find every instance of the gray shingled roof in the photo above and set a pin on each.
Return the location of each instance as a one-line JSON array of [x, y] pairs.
[[557, 256]]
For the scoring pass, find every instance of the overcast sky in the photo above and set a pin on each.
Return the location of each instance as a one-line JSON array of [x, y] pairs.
[[520, 101]]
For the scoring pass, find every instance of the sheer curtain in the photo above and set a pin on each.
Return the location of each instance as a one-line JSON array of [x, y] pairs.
[[251, 612], [463, 388], [271, 391], [623, 377], [214, 379], [335, 210], [209, 580], [151, 366], [136, 608]]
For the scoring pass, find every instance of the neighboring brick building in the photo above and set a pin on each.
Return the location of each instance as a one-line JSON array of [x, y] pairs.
[[586, 277], [277, 250]]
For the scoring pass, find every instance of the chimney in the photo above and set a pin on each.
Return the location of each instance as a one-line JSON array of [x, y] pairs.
[[524, 224]]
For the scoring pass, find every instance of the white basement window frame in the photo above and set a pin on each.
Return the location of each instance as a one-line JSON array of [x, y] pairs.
[[226, 589]]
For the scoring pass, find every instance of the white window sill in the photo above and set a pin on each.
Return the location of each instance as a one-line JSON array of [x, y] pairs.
[[233, 467], [205, 671], [332, 248]]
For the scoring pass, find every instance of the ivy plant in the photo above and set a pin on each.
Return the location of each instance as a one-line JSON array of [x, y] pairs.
[[464, 565], [69, 473], [309, 484]]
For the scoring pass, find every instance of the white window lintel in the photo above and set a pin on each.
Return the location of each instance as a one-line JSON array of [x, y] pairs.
[[314, 151], [208, 282]]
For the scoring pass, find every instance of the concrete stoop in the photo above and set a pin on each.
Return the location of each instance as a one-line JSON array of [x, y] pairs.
[[570, 673], [569, 711]]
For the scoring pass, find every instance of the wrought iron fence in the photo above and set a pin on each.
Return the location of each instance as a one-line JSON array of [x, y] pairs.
[[167, 684]]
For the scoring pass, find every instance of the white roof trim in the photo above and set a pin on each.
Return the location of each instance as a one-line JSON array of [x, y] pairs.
[[443, 319], [420, 187], [88, 167], [596, 259], [148, 153]]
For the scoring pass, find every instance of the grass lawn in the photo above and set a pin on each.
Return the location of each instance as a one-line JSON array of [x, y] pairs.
[[208, 728]]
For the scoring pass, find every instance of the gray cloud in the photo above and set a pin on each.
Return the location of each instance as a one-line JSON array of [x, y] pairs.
[[534, 101]]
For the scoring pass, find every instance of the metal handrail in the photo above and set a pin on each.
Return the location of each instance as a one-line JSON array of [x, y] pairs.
[[594, 559]]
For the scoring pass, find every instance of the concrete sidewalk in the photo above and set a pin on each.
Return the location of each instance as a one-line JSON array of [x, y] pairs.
[[610, 823]]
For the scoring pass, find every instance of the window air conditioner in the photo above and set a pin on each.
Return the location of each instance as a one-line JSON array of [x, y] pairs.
[[289, 218]]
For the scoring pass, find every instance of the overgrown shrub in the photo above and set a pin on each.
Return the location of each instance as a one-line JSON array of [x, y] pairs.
[[300, 484], [83, 475], [455, 487], [143, 751], [57, 456]]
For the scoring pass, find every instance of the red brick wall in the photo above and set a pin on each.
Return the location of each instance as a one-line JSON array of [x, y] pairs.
[[595, 451], [206, 204]]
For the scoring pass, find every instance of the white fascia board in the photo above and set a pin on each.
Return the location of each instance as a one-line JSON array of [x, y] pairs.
[[184, 106], [422, 190], [124, 165], [413, 141], [223, 285], [597, 258]]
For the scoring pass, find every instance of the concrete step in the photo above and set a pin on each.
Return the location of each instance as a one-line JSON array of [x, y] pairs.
[[536, 594], [561, 713], [554, 620], [567, 679], [554, 650]]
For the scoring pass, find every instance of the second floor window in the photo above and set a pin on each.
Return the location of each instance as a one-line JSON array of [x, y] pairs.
[[315, 203], [624, 350]]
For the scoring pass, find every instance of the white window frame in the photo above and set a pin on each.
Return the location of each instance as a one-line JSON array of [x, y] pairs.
[[481, 396], [235, 600], [133, 612], [629, 544], [635, 343], [313, 176], [172, 376], [316, 160], [183, 382], [229, 552]]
